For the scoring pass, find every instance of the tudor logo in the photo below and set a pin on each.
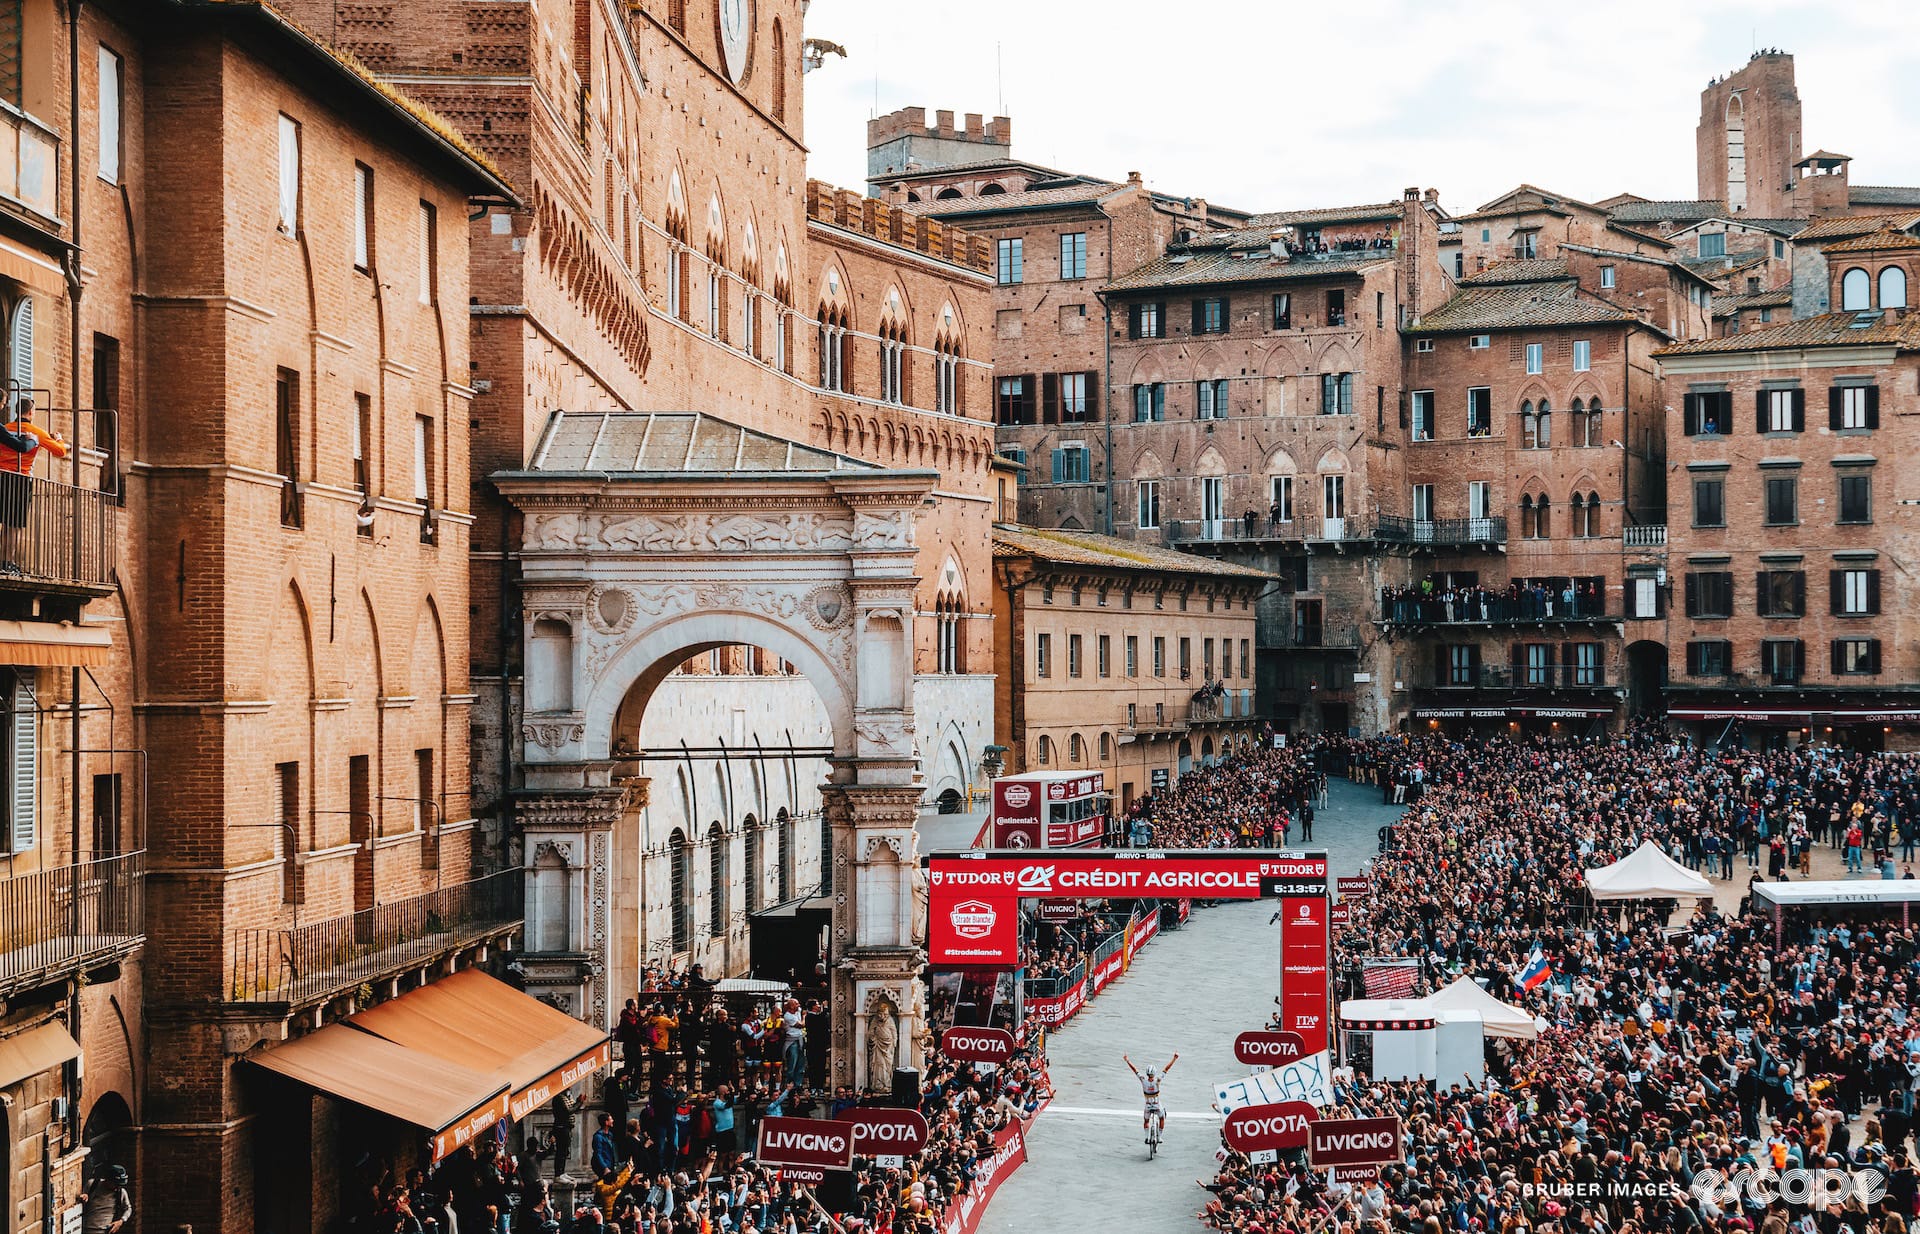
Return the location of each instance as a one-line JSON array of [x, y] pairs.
[[973, 919], [977, 1045], [1306, 912], [1034, 878], [1017, 795]]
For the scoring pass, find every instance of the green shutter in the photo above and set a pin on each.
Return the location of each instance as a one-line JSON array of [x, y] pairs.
[[23, 785]]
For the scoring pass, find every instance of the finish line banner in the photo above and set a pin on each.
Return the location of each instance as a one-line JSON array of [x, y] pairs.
[[973, 898]]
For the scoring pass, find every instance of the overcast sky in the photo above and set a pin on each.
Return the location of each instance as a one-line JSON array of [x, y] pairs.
[[1268, 105]]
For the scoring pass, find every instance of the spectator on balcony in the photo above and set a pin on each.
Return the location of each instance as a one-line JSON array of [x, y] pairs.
[[1247, 523], [1273, 518], [20, 441]]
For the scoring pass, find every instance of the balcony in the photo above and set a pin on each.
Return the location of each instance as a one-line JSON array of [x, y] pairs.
[[1523, 678], [1644, 535], [66, 543], [60, 922], [1378, 528], [311, 963], [29, 158], [1409, 606]]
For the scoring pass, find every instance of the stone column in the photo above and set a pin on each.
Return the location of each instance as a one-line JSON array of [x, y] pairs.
[[875, 945]]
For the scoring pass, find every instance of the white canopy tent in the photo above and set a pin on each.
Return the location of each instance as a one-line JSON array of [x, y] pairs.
[[1646, 874], [1500, 1019]]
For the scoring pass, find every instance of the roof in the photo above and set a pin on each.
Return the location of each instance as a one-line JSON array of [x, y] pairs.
[[1779, 227], [1006, 203], [1840, 891], [1847, 226], [1520, 306], [1725, 305], [1885, 238], [674, 441], [1827, 330], [426, 123], [1714, 269], [947, 169], [1328, 214], [1519, 270], [1667, 211], [1086, 548], [1825, 156], [1217, 258], [1505, 203], [1883, 195]]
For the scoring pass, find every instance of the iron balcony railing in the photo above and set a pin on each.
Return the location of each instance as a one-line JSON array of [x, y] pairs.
[[1525, 677], [1497, 606], [54, 923], [1386, 528], [1393, 527], [56, 535], [317, 959]]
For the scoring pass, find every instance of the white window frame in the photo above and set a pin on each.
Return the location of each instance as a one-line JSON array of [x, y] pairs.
[[1479, 342], [1608, 277], [1582, 355], [1010, 261], [111, 111], [1132, 653], [1073, 255], [1780, 411], [1421, 409], [362, 217], [1073, 396], [289, 175], [1479, 499], [674, 258], [1333, 495], [423, 460], [1646, 595], [429, 240], [1280, 493], [1853, 407], [713, 299], [1147, 509], [1422, 503], [1536, 359], [1423, 345], [1855, 593]]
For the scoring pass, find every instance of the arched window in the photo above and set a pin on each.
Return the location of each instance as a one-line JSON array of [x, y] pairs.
[[947, 194], [680, 900], [756, 875], [1893, 287], [779, 71], [1855, 290], [1542, 524], [1044, 752], [1546, 424], [1529, 427], [1593, 514], [783, 835], [717, 881], [1106, 747], [1076, 749], [992, 190], [1527, 525]]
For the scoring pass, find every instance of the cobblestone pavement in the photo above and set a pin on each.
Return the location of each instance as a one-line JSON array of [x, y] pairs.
[[1192, 990]]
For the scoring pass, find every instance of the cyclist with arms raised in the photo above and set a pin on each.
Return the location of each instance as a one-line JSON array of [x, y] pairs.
[[1154, 1118]]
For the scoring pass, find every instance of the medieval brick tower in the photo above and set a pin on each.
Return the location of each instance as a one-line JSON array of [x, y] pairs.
[[1749, 137]]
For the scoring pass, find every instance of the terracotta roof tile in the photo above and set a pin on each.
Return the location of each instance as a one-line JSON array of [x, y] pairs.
[[1847, 226], [1668, 211], [1519, 306], [1519, 270], [1086, 548], [996, 202], [1883, 195], [1725, 305], [1207, 263], [1827, 330], [1327, 214], [1878, 241]]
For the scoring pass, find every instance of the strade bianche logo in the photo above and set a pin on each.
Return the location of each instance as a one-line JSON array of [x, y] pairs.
[[1817, 1188], [973, 918], [1018, 795]]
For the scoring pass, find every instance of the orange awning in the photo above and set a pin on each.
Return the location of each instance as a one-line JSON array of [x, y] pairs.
[[58, 643], [36, 1050], [36, 270], [473, 1021], [451, 1103]]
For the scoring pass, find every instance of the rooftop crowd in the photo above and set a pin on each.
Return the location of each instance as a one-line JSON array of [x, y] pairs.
[[1679, 1040]]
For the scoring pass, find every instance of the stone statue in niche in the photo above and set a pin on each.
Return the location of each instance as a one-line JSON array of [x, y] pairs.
[[919, 907], [883, 1043]]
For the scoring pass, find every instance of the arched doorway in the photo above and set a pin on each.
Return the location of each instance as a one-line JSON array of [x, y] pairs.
[[1646, 678], [1186, 756], [949, 802], [644, 570], [108, 1135]]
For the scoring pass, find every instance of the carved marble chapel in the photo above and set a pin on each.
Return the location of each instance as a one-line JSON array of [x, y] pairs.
[[649, 538]]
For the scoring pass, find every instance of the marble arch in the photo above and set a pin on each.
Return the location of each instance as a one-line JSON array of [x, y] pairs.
[[652, 537]]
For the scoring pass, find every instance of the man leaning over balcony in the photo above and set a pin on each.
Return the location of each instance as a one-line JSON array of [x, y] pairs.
[[20, 440]]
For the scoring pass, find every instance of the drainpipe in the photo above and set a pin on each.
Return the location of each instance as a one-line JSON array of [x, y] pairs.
[[74, 1072], [1106, 340], [506, 700]]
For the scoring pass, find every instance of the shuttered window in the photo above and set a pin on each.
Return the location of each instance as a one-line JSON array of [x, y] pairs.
[[429, 264], [108, 164], [289, 174], [20, 345], [22, 735]]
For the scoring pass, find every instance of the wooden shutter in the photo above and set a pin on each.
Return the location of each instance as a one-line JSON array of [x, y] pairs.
[[1763, 595], [20, 345], [1133, 321], [1759, 411], [1873, 655], [1442, 665], [1092, 391], [23, 777], [1226, 315], [1799, 411], [1690, 415], [1838, 659], [1693, 659], [1029, 382], [1836, 590], [1693, 595], [1049, 397], [1873, 421], [1799, 593], [1836, 399], [1799, 658], [1519, 652], [1873, 591], [1199, 316], [1567, 660]]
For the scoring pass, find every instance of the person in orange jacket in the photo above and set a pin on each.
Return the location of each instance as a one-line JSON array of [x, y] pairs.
[[20, 441]]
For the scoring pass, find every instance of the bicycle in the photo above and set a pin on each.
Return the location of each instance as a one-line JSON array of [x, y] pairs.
[[1156, 1124]]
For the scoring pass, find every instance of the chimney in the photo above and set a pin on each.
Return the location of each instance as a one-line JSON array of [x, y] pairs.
[[1412, 194], [1433, 197], [1133, 180]]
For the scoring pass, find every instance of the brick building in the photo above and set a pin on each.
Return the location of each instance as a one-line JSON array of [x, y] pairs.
[[271, 730], [1785, 534], [1533, 462], [1125, 658]]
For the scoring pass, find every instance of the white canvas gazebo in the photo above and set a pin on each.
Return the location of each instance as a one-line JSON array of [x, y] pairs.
[[1500, 1019], [1646, 874]]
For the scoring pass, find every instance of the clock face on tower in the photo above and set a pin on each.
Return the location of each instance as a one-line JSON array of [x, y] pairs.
[[736, 35]]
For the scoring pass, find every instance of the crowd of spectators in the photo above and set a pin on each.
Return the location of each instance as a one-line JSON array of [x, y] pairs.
[[1434, 601], [1679, 1042], [668, 1147]]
